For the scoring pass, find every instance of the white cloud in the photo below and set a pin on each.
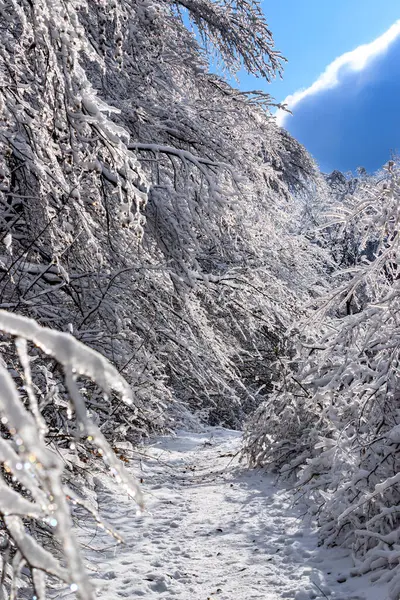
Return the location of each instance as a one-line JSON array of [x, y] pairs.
[[356, 60]]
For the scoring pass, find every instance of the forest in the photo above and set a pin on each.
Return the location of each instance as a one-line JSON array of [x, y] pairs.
[[170, 256]]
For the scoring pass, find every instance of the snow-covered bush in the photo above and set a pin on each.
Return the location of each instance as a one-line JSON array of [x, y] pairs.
[[35, 500], [334, 416]]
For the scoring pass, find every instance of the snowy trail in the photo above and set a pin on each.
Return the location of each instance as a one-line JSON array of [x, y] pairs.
[[211, 531]]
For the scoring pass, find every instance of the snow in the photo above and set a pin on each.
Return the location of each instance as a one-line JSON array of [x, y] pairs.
[[72, 354], [211, 530]]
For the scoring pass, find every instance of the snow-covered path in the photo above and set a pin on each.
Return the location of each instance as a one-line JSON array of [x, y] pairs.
[[212, 530]]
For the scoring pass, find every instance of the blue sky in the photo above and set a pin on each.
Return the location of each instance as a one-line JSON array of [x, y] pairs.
[[356, 121]]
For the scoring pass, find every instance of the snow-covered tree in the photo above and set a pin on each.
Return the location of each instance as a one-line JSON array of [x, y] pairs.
[[333, 419], [197, 230]]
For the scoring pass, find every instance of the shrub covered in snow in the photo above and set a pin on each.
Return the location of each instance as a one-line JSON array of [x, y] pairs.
[[334, 416]]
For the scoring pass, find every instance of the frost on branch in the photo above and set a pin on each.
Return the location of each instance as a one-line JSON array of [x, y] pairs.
[[238, 31], [55, 128], [32, 483]]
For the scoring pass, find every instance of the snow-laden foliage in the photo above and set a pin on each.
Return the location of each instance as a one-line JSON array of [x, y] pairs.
[[182, 271], [334, 416], [36, 502], [236, 33]]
